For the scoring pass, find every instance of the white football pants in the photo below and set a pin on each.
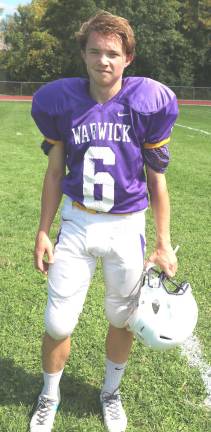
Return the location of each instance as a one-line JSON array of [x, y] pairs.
[[120, 242]]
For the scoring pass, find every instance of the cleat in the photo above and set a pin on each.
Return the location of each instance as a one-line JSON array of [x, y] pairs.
[[43, 417], [115, 419]]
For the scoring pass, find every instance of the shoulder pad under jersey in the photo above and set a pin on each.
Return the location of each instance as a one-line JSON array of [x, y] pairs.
[[146, 96], [61, 95]]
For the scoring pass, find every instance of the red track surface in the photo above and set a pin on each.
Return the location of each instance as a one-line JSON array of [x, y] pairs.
[[181, 101], [194, 102], [15, 98]]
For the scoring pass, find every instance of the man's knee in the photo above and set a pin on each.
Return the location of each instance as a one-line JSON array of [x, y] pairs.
[[117, 313], [59, 326]]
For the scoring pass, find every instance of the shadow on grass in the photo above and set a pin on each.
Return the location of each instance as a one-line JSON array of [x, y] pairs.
[[19, 387]]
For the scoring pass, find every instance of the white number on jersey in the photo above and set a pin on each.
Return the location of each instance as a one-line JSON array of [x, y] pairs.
[[90, 179]]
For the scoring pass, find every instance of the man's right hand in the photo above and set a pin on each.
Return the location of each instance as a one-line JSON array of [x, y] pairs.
[[43, 247]]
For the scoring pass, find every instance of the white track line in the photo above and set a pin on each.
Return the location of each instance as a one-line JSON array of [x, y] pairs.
[[193, 129], [191, 348]]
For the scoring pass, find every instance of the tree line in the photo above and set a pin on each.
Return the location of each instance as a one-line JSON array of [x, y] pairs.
[[173, 39]]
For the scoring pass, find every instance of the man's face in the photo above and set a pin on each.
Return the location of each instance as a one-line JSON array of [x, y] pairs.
[[105, 59]]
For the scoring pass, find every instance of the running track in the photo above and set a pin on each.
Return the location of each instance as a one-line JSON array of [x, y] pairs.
[[181, 101]]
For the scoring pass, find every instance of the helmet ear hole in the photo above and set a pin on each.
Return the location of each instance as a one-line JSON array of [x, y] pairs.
[[156, 306], [163, 318]]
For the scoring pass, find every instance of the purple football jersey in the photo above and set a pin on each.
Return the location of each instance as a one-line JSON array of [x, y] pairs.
[[104, 143]]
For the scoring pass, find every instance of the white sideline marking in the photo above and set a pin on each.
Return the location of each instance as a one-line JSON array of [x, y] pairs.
[[193, 129], [192, 350]]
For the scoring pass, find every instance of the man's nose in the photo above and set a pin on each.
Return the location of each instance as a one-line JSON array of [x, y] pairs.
[[103, 59]]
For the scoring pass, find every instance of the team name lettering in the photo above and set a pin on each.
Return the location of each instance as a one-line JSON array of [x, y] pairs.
[[117, 132]]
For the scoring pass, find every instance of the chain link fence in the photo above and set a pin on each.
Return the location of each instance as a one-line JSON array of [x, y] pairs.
[[16, 88], [192, 93]]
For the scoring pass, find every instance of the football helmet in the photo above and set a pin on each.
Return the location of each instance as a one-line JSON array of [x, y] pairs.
[[166, 312]]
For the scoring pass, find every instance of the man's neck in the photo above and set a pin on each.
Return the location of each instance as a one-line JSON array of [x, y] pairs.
[[103, 94]]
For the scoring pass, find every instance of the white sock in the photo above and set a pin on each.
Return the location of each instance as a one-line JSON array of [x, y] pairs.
[[51, 384], [113, 376]]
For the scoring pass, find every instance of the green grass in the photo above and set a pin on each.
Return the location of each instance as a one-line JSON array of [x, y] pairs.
[[161, 392]]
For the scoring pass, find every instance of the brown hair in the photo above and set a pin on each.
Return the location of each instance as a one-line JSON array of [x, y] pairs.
[[106, 23]]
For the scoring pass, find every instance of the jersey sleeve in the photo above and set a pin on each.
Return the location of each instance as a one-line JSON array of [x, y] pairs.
[[157, 158], [44, 116], [45, 122], [46, 147], [160, 125]]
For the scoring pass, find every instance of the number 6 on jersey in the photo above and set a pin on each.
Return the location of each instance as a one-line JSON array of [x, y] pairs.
[[90, 179]]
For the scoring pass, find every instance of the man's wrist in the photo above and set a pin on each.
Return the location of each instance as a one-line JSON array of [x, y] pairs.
[[43, 231], [163, 243]]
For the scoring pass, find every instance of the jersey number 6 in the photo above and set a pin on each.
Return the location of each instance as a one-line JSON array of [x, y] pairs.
[[90, 179]]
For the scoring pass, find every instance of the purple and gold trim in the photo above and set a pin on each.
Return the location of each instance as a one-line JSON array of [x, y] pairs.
[[51, 141], [156, 145]]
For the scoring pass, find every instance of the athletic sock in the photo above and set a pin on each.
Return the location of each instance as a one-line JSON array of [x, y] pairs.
[[51, 384], [113, 376]]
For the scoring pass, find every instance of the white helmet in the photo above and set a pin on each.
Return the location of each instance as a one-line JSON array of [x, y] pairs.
[[163, 318]]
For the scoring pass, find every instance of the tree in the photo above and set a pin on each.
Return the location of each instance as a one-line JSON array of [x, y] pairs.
[[169, 33], [161, 49], [61, 20], [32, 53], [195, 25], [162, 52]]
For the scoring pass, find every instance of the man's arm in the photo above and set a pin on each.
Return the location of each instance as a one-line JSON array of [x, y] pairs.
[[51, 198], [163, 255]]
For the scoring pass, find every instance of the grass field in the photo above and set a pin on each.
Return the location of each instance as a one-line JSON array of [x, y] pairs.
[[161, 392]]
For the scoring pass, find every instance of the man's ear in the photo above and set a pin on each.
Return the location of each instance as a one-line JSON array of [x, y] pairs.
[[129, 59]]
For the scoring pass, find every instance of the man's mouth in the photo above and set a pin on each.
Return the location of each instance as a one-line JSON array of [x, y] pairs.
[[102, 71]]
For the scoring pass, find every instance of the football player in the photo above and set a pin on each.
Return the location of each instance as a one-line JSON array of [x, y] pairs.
[[107, 143]]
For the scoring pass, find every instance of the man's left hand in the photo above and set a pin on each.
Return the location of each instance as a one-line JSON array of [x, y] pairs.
[[165, 258]]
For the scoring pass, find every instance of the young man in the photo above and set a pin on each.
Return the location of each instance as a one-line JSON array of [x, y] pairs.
[[105, 130]]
